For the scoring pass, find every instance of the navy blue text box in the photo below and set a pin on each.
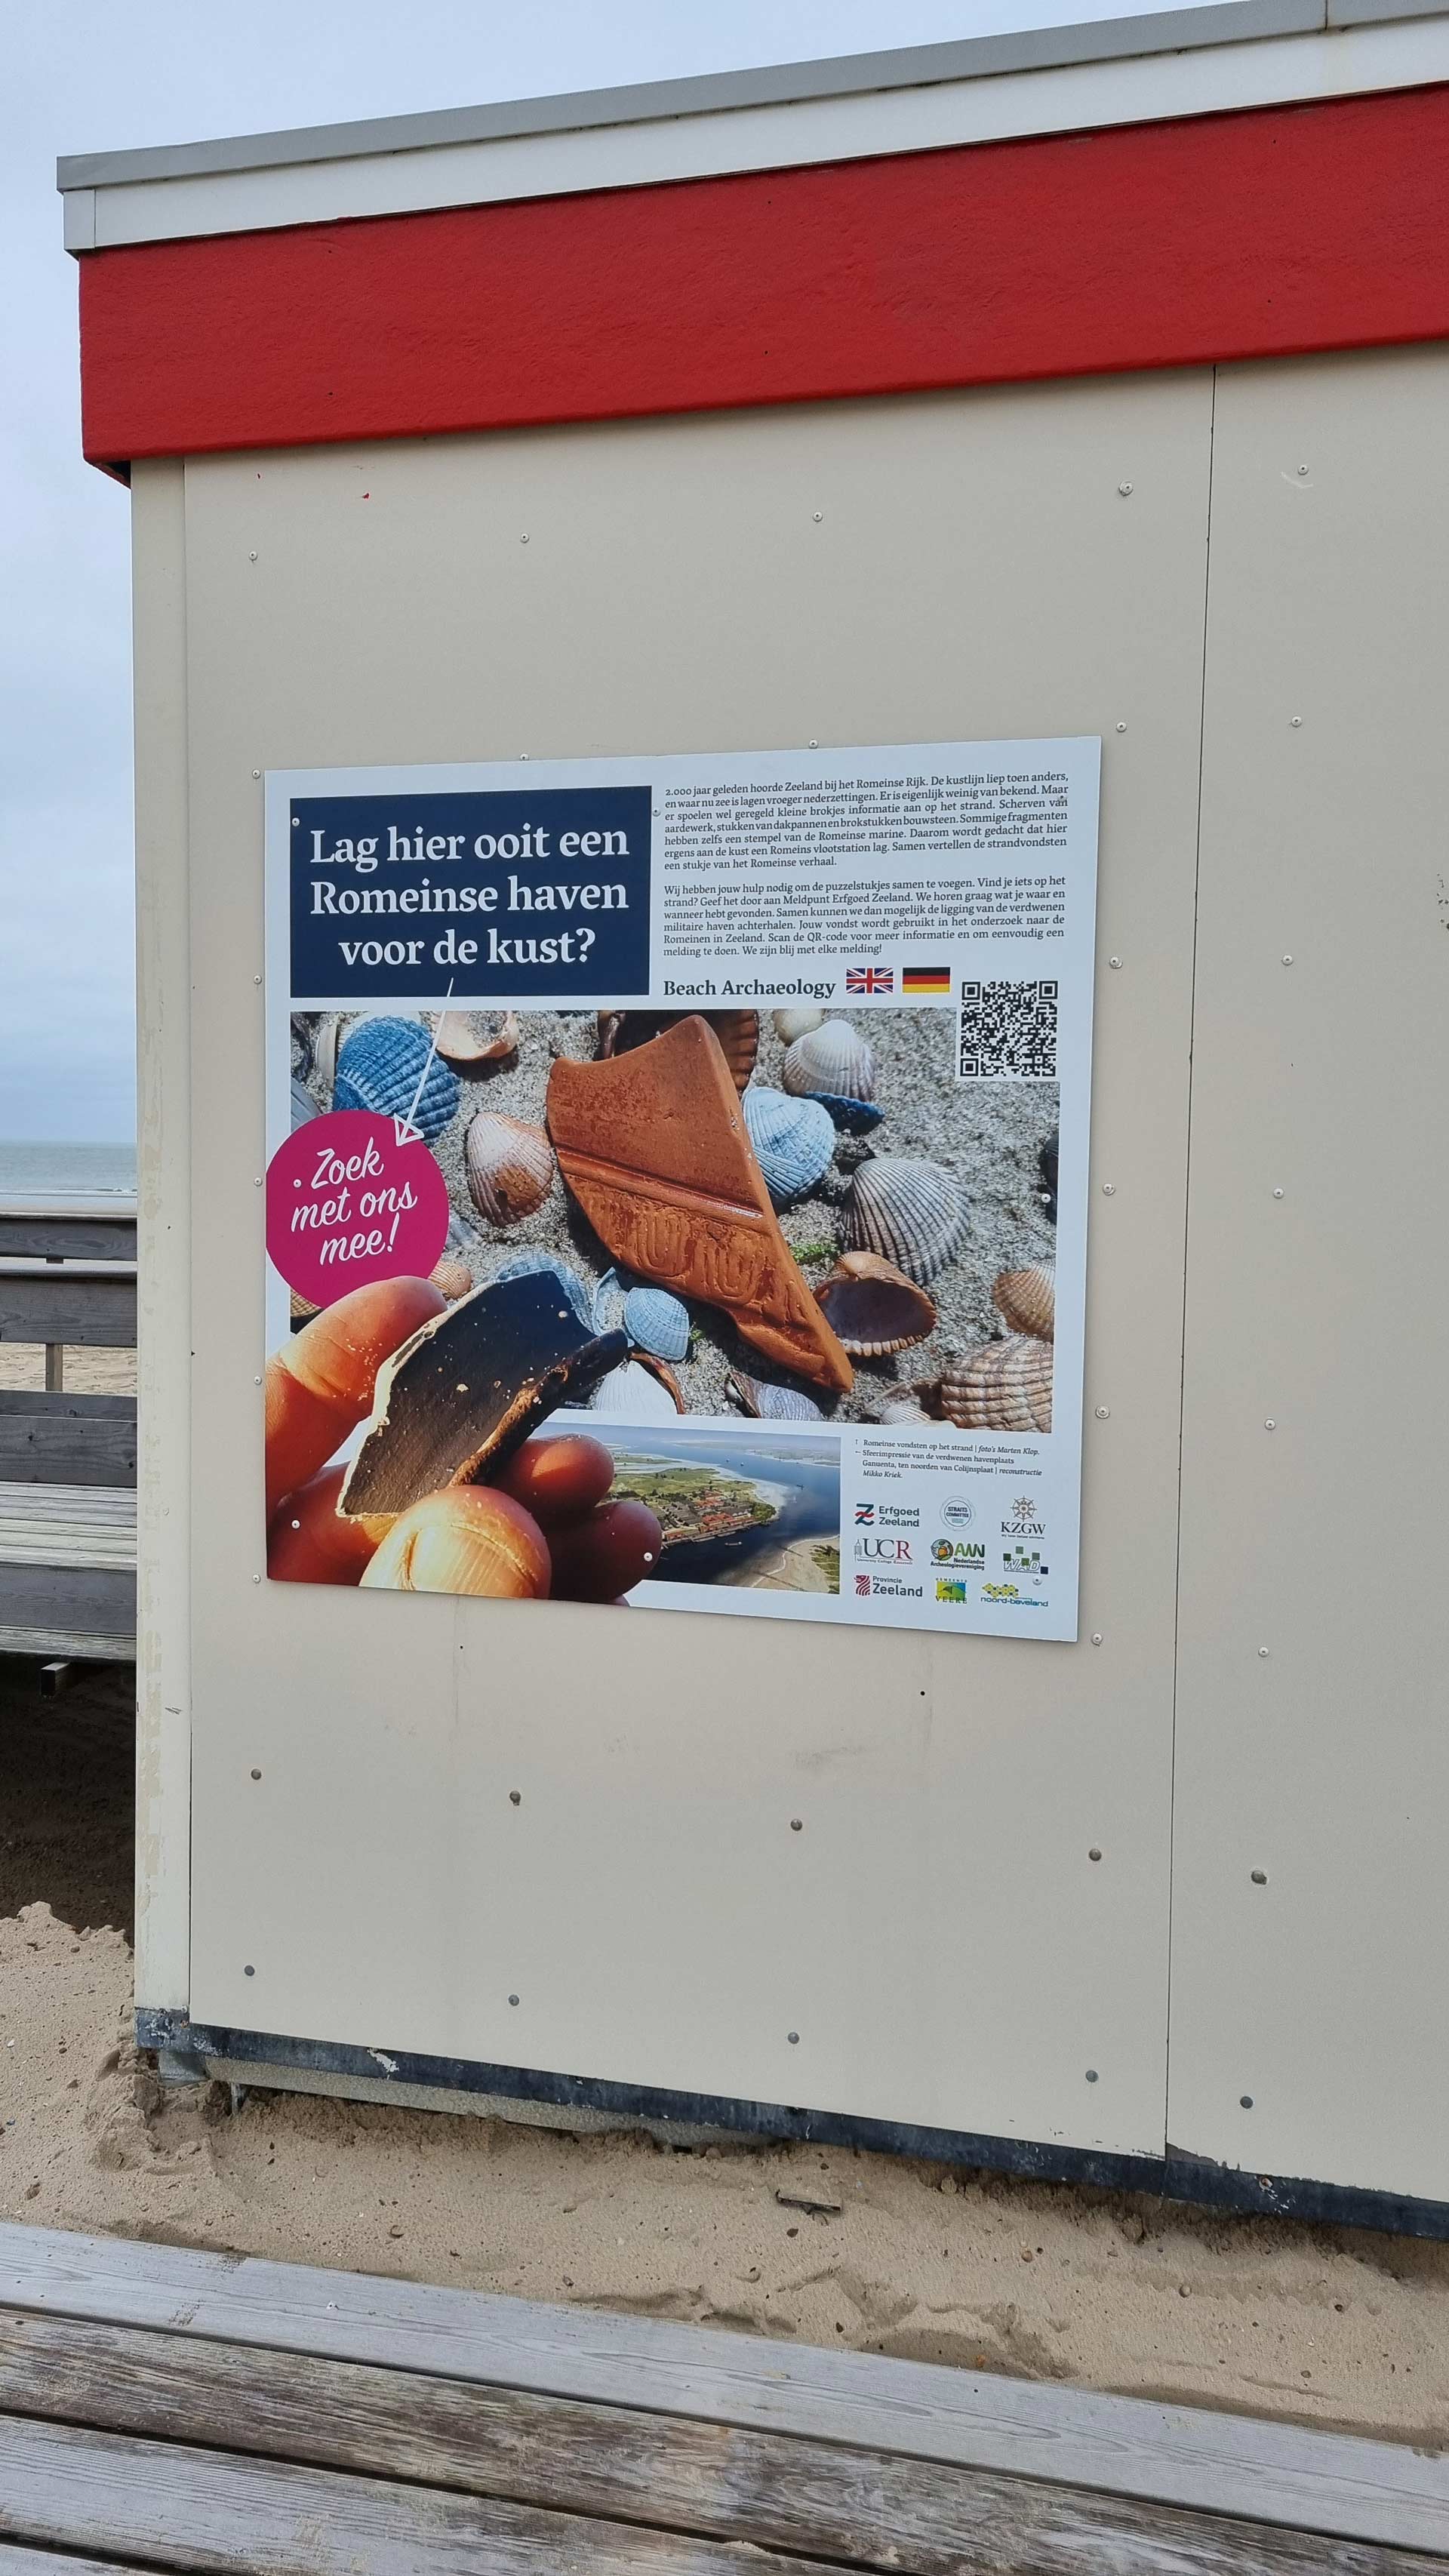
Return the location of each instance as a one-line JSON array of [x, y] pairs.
[[498, 894]]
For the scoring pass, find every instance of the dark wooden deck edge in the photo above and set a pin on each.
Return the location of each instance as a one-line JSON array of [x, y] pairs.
[[1173, 2176]]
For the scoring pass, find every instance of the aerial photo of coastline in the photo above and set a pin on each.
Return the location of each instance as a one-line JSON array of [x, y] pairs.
[[757, 1514]]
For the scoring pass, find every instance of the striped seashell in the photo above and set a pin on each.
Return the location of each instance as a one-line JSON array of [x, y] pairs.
[[833, 1059], [911, 1213], [303, 1105], [453, 1277], [858, 1115], [379, 1067], [773, 1403], [657, 1322], [738, 1033], [790, 1025], [510, 1167], [901, 1405], [872, 1308], [458, 1044], [633, 1394], [324, 1053], [1027, 1299], [1006, 1386], [524, 1265], [794, 1141]]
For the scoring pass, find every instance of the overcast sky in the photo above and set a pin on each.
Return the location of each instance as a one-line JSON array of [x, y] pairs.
[[93, 76]]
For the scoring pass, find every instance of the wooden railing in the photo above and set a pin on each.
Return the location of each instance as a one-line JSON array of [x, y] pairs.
[[67, 1457]]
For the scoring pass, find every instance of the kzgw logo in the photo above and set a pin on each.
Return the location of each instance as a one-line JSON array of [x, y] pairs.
[[1023, 1522]]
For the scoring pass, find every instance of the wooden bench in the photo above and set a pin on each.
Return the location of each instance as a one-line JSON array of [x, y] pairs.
[[67, 1458], [190, 2411]]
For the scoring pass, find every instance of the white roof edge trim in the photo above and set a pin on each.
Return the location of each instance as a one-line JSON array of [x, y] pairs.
[[1215, 22]]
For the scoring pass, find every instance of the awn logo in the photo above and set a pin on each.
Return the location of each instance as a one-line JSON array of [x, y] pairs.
[[958, 1551], [886, 1551]]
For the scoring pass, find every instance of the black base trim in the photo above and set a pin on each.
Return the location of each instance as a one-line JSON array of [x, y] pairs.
[[1173, 2176]]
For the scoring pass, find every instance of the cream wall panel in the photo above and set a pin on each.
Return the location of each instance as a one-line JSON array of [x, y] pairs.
[[1324, 1761], [936, 1934]]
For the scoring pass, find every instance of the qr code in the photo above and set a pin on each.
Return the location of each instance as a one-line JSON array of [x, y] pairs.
[[1008, 1029]]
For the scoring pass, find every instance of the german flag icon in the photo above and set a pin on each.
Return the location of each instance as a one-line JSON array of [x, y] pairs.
[[920, 980]]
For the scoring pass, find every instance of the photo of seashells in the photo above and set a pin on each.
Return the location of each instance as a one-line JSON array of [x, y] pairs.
[[799, 1216]]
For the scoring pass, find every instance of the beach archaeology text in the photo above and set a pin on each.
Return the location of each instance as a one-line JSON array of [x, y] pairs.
[[500, 894]]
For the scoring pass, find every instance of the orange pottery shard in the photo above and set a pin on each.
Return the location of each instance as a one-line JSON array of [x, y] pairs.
[[654, 1147]]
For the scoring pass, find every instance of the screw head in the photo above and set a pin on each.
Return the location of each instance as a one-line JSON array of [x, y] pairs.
[[793, 2037], [252, 557], [796, 1824], [1104, 1413], [1112, 961], [256, 1578], [1124, 489], [523, 755], [513, 1999], [1109, 1189], [523, 541], [515, 1797], [1295, 720], [1263, 1653], [1270, 1424], [818, 515], [814, 743], [249, 1972], [1259, 1877], [1095, 1852], [256, 1775], [1277, 1194], [1245, 2101], [1121, 728], [1302, 469], [1091, 2075], [1288, 959], [256, 1381], [1096, 1636]]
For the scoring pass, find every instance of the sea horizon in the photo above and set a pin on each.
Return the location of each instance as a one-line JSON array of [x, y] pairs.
[[63, 1167]]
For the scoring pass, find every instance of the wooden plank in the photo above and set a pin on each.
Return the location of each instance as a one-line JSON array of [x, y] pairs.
[[67, 1439], [1181, 2455], [87, 1306], [71, 1238], [59, 1602], [776, 2491], [226, 2515], [84, 1643], [49, 2562]]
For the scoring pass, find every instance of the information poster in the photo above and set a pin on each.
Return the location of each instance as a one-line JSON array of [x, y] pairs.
[[677, 1180]]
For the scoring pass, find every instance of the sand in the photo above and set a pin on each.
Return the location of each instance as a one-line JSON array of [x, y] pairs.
[[87, 1372], [987, 1135], [1329, 2326]]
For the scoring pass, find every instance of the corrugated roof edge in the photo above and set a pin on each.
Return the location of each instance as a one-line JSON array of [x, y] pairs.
[[1219, 22]]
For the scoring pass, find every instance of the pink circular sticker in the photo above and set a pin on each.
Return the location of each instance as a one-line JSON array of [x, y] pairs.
[[351, 1198]]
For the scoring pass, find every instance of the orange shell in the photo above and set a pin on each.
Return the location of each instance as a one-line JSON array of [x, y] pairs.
[[1005, 1386]]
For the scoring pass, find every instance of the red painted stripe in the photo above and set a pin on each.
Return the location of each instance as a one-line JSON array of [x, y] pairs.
[[1260, 234]]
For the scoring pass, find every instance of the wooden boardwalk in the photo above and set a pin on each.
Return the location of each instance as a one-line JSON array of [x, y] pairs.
[[161, 2409]]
